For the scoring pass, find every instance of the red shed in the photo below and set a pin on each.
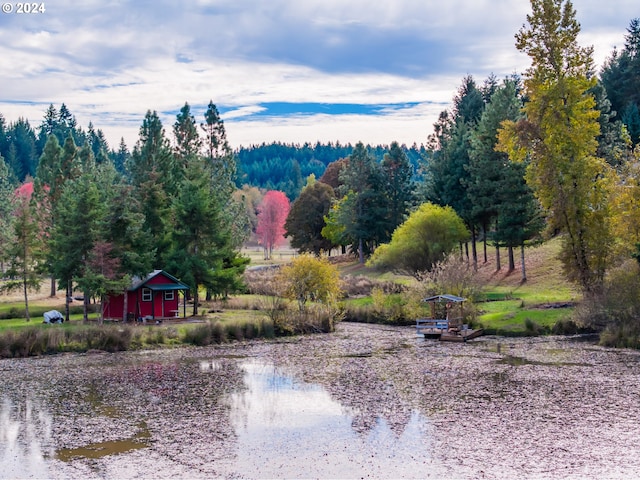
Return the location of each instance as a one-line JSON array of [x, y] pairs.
[[154, 297]]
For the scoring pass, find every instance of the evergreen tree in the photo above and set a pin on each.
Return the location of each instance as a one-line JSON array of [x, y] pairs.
[[80, 215], [152, 172], [121, 157], [520, 218], [7, 186], [613, 141], [621, 77], [24, 161], [185, 132], [361, 183], [196, 236], [447, 177], [24, 252], [631, 118], [487, 168], [397, 178], [218, 151]]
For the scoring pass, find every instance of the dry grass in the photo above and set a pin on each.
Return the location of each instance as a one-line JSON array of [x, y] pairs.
[[545, 279]]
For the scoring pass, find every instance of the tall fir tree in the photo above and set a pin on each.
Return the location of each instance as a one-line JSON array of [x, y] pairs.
[[361, 184], [152, 172], [397, 180]]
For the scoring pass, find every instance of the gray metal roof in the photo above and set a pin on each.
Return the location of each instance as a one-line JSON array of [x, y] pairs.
[[444, 298]]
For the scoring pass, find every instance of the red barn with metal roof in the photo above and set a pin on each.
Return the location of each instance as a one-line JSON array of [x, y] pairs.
[[152, 298]]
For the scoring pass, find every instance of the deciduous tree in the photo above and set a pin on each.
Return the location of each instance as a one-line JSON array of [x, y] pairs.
[[305, 221], [425, 238], [559, 137], [272, 214]]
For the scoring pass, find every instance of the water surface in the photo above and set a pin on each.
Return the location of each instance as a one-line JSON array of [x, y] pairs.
[[364, 402]]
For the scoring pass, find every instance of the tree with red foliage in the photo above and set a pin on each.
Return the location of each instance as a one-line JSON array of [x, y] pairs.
[[24, 253], [272, 214]]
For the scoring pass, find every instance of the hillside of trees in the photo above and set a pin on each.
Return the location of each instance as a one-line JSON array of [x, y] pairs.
[[285, 167], [516, 159]]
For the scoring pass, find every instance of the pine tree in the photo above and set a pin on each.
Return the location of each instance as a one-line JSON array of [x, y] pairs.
[[80, 215], [152, 172], [219, 152], [397, 178], [487, 168], [196, 237], [185, 132], [364, 206], [7, 187]]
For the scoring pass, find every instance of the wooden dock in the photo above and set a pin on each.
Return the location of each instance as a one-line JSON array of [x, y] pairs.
[[444, 331]]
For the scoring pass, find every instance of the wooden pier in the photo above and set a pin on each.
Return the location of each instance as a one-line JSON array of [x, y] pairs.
[[449, 329], [444, 331]]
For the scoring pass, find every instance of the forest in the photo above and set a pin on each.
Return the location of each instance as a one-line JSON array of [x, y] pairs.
[[512, 162]]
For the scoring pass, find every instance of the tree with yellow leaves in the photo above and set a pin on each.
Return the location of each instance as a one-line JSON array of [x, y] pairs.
[[559, 138]]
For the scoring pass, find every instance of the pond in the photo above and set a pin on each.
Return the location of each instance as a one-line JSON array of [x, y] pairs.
[[366, 401]]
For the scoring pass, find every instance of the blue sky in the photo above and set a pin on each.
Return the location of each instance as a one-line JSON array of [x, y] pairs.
[[278, 70]]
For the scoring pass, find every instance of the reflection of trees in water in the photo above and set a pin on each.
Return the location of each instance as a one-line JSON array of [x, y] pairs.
[[369, 397], [25, 439], [359, 385]]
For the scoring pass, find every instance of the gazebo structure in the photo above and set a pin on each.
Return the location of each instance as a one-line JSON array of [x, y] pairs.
[[445, 323]]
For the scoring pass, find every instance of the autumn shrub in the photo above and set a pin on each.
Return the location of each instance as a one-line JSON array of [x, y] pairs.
[[618, 302], [315, 319], [391, 308], [566, 326], [615, 311], [533, 328], [235, 331], [30, 341], [363, 314]]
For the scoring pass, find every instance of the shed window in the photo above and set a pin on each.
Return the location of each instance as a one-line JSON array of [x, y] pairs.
[[146, 295], [168, 295]]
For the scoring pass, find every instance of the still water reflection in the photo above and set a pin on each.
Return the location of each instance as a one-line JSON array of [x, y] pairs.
[[25, 439], [280, 427], [289, 429]]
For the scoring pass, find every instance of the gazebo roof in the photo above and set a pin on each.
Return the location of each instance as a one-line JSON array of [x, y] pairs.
[[445, 298]]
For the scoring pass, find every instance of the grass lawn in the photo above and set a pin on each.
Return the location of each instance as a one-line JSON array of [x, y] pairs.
[[512, 302]]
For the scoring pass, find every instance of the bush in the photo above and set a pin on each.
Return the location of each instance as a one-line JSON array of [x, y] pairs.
[[429, 234], [310, 279], [109, 338], [533, 328], [617, 307]]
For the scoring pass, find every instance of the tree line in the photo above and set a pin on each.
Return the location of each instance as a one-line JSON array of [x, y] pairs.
[[93, 225]]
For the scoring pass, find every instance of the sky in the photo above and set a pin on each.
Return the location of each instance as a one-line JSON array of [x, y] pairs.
[[292, 71]]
